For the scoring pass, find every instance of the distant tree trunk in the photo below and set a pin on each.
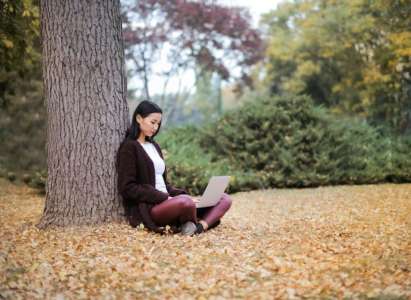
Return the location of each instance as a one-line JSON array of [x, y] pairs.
[[87, 114]]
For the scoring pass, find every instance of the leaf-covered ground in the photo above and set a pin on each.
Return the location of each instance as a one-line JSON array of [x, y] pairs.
[[348, 242]]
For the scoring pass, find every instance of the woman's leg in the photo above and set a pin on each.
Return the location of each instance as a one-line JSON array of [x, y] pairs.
[[180, 208], [212, 215]]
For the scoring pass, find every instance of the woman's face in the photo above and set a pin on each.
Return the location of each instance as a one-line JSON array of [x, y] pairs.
[[149, 125]]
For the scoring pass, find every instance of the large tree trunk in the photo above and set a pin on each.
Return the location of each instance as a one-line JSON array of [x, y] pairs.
[[85, 90]]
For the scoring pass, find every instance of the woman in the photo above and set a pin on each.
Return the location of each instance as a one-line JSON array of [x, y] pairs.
[[142, 182]]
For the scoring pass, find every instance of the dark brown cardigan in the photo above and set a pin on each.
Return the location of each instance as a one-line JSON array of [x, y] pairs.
[[136, 183]]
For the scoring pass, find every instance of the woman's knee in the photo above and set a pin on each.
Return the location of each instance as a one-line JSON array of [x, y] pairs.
[[226, 201], [186, 203]]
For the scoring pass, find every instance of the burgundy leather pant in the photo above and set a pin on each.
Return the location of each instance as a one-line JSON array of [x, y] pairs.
[[181, 208]]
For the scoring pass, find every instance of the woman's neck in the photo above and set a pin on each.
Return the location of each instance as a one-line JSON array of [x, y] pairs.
[[142, 139]]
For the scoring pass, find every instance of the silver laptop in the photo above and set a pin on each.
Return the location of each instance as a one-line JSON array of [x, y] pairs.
[[213, 192]]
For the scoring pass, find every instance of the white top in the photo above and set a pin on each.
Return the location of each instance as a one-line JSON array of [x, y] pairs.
[[159, 165]]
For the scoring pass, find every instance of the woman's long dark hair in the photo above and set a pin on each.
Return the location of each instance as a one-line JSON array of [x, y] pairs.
[[143, 109]]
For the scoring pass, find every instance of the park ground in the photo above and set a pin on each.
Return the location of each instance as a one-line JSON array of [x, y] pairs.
[[344, 242]]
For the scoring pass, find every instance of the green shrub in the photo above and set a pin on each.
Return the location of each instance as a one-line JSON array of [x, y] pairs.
[[400, 160], [3, 172], [190, 167], [26, 178], [11, 176], [288, 141], [38, 180]]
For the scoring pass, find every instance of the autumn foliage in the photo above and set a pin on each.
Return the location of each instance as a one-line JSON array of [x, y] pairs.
[[197, 34], [347, 242]]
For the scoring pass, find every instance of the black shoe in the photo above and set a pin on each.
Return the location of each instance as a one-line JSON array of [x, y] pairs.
[[200, 228]]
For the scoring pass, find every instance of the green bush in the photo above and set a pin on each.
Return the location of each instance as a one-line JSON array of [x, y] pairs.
[[289, 142], [26, 178], [11, 176], [38, 181], [3, 171], [190, 167], [400, 160]]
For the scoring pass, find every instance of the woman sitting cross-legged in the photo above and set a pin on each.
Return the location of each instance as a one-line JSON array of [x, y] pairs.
[[142, 182]]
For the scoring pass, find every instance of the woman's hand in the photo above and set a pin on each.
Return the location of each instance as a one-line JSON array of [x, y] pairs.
[[196, 200]]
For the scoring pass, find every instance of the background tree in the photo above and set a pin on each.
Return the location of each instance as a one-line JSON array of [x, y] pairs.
[[84, 82], [22, 114], [352, 56], [196, 36], [207, 96]]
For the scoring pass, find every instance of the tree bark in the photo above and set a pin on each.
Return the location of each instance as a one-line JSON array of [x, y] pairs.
[[87, 114]]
